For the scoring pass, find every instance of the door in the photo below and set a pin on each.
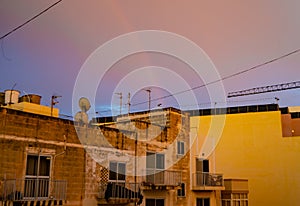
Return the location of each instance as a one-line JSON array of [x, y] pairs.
[[203, 202], [155, 202], [155, 165], [202, 170], [37, 176]]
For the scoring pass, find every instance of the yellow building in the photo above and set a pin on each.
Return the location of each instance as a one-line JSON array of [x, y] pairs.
[[258, 143]]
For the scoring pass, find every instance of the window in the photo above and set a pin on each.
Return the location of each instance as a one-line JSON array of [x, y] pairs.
[[181, 191], [203, 202], [117, 171], [155, 161], [180, 148], [202, 165], [37, 176], [155, 202], [155, 164], [235, 199]]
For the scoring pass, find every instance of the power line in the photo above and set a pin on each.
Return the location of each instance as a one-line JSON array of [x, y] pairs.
[[29, 20], [221, 79], [225, 78]]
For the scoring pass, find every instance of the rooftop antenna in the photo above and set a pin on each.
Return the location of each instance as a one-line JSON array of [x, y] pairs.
[[26, 94], [54, 102], [120, 95], [149, 98], [128, 102]]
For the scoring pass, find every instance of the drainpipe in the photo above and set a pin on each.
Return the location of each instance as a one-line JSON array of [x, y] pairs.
[[54, 157], [65, 147]]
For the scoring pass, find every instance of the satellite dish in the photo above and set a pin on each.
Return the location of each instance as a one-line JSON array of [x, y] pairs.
[[81, 117], [84, 104]]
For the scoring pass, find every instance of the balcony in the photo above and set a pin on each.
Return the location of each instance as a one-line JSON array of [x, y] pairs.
[[161, 179], [207, 181], [34, 189], [115, 192]]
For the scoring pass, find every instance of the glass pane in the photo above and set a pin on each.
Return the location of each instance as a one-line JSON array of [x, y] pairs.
[[160, 202], [181, 192], [32, 165], [160, 161], [199, 165], [182, 147], [122, 168], [206, 202], [113, 171], [113, 166], [199, 202], [44, 166], [121, 171], [150, 202], [205, 166], [150, 160], [178, 148]]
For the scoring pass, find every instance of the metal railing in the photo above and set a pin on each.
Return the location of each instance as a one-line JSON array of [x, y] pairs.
[[34, 189], [162, 177], [120, 190], [207, 179]]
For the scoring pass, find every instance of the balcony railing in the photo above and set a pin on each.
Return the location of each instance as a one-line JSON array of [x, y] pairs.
[[34, 189], [208, 180], [120, 192], [162, 177]]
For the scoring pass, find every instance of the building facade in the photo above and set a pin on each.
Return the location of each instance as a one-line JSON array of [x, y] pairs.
[[138, 159], [259, 143]]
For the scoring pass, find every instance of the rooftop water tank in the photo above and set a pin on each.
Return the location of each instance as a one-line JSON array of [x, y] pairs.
[[11, 96], [2, 98], [32, 98]]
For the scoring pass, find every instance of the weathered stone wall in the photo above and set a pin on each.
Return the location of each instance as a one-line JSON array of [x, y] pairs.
[[24, 133], [156, 135], [81, 154]]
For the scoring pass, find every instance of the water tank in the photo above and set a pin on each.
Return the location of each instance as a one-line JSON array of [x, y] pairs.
[[11, 96], [32, 98], [2, 98]]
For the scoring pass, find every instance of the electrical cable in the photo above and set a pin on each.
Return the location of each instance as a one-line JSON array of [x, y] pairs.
[[29, 20], [218, 80], [224, 78]]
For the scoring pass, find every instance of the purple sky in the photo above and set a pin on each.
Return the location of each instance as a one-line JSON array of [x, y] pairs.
[[45, 56]]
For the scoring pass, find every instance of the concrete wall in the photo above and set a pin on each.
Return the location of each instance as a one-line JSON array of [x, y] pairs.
[[252, 147]]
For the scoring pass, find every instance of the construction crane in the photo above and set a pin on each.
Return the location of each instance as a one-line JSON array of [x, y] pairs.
[[264, 89]]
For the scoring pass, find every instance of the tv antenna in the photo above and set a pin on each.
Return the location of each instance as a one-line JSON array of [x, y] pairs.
[[54, 102], [120, 96]]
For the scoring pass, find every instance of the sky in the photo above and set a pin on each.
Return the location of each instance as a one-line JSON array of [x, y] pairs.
[[46, 56]]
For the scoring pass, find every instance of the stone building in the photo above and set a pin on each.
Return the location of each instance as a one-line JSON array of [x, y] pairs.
[[143, 158]]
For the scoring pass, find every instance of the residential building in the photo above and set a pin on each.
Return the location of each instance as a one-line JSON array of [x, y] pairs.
[[258, 143], [142, 158]]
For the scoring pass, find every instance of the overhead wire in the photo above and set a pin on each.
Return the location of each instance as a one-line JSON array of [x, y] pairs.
[[170, 95], [29, 20], [223, 78], [218, 80]]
